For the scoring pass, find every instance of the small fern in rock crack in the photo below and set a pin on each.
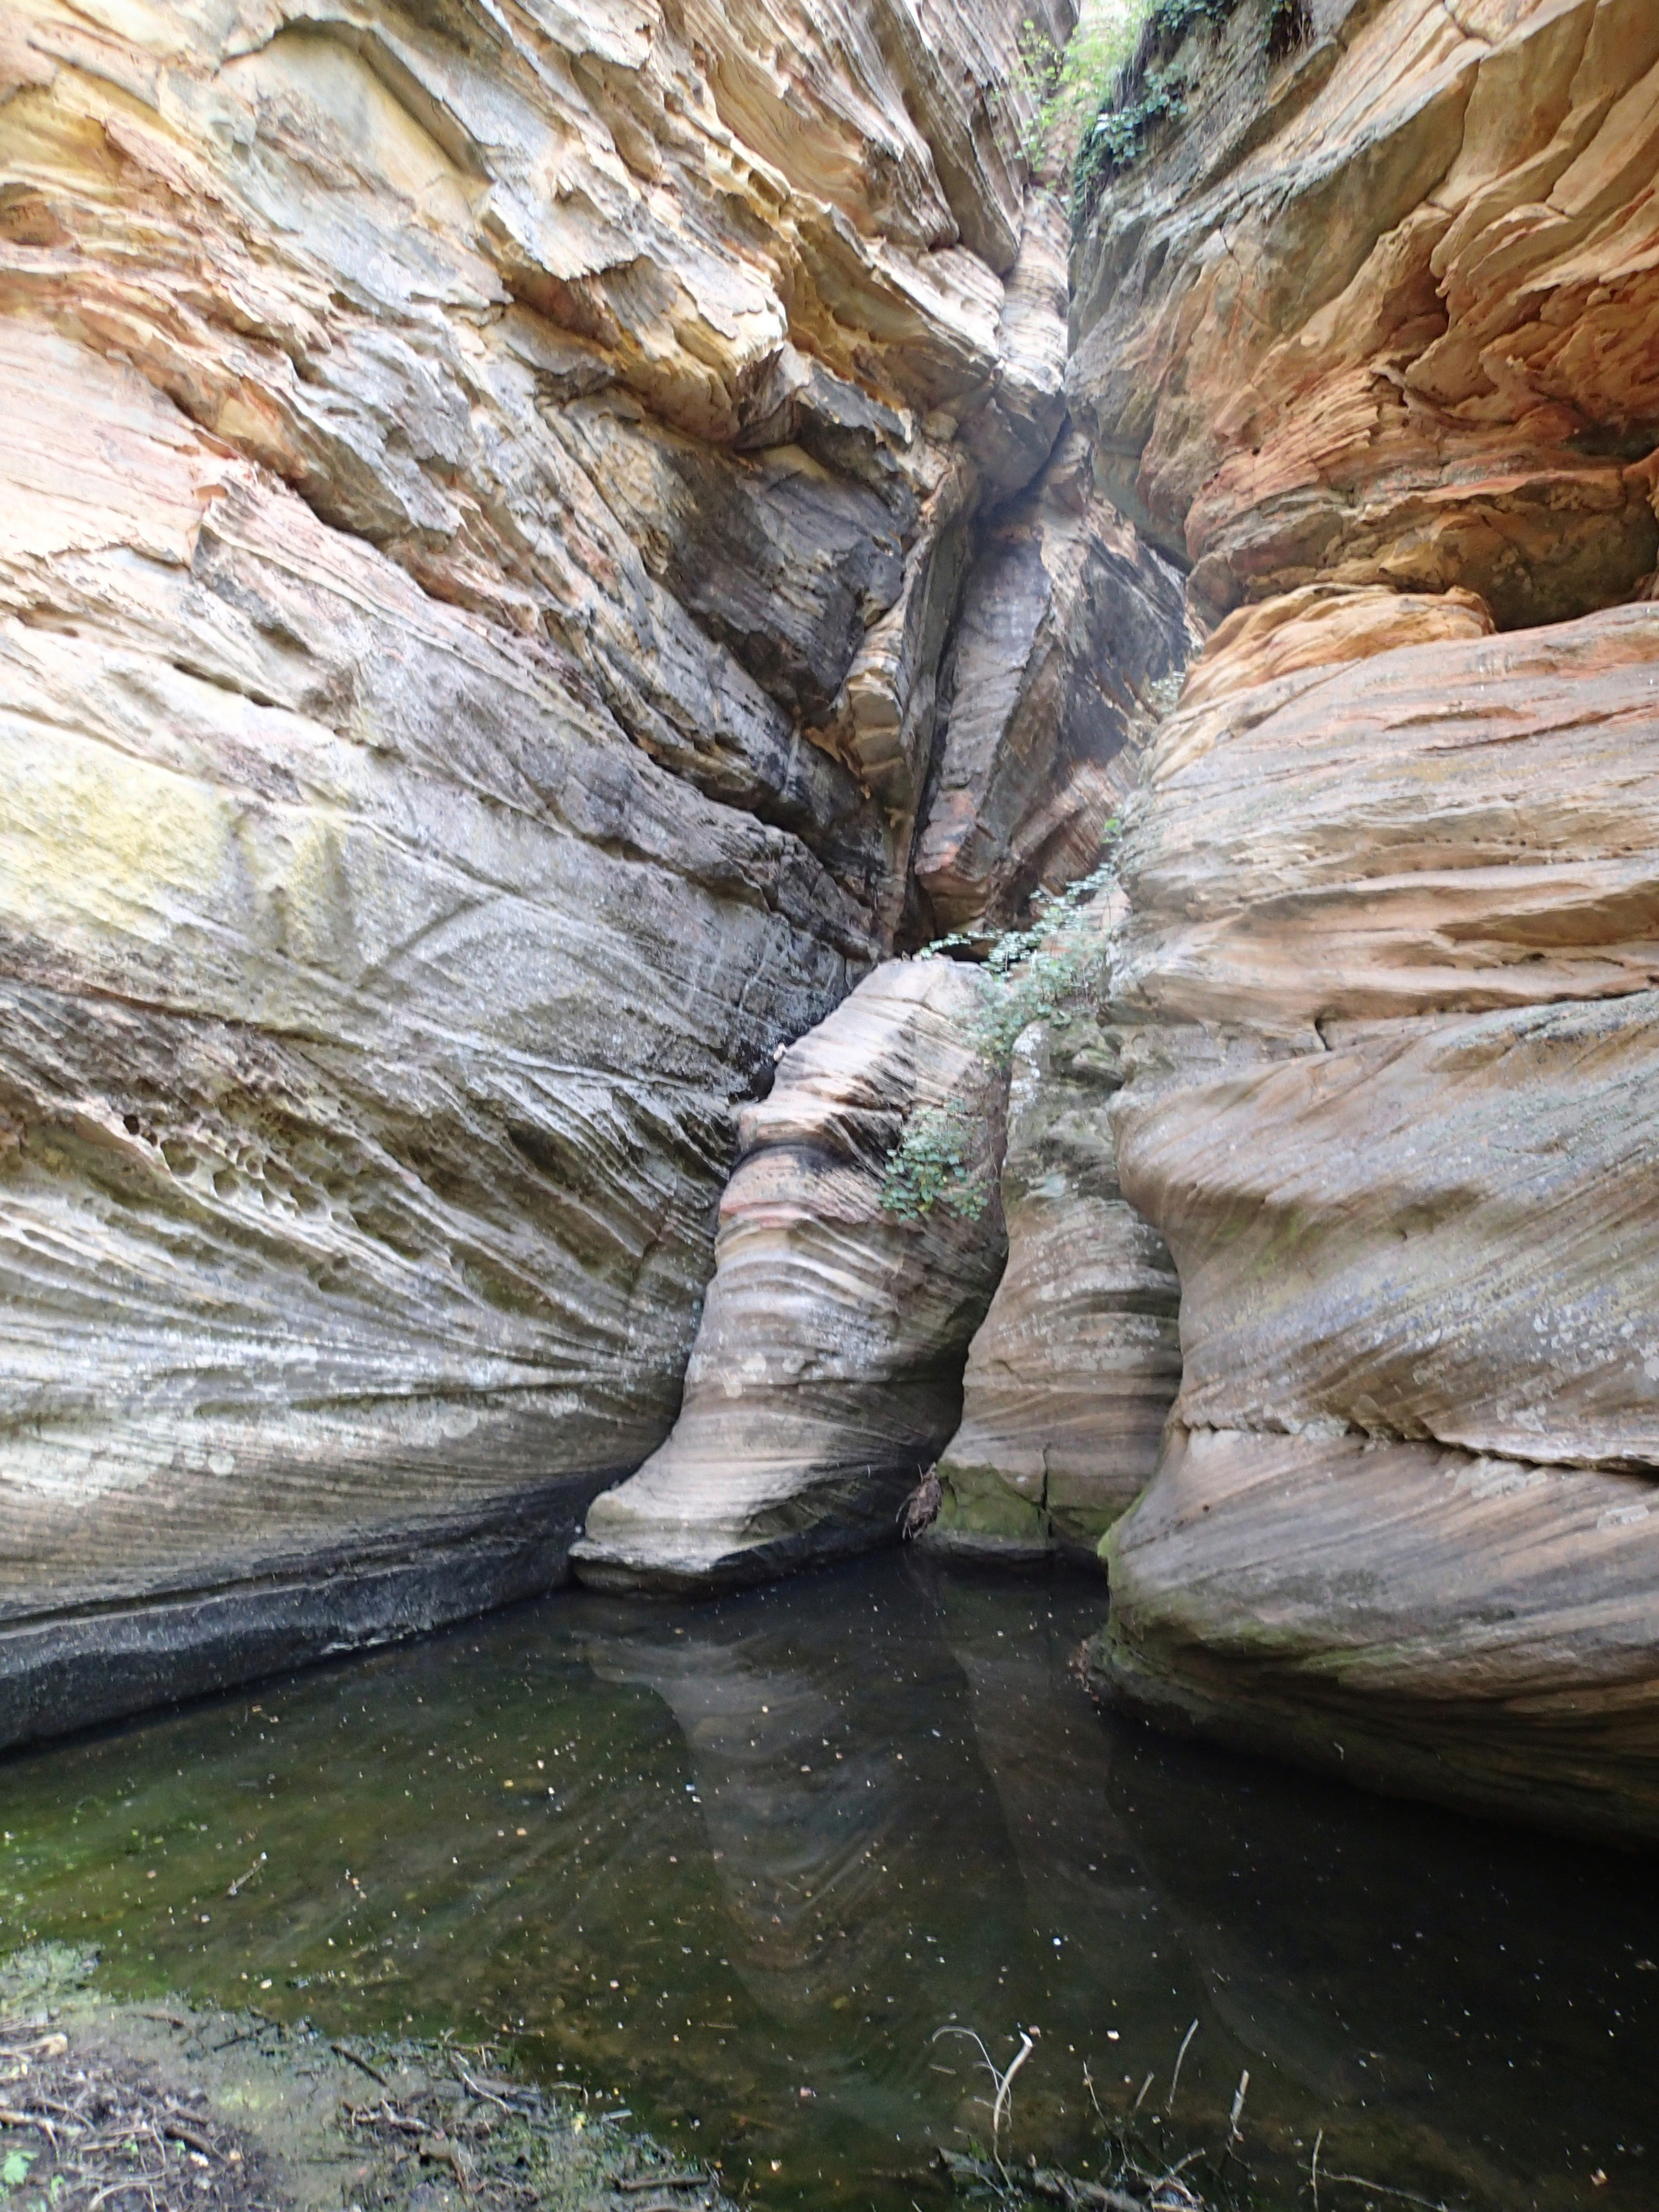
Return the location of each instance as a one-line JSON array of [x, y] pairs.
[[1034, 974]]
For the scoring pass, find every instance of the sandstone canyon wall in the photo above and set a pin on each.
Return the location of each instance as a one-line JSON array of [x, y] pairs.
[[827, 1369], [487, 493], [1069, 1380], [541, 548], [1373, 344]]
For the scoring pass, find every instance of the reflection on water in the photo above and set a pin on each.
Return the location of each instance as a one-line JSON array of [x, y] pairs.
[[740, 1862]]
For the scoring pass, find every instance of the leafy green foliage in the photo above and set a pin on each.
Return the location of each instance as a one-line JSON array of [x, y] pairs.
[[1032, 974], [932, 1165], [1148, 90], [1066, 87], [1119, 132]]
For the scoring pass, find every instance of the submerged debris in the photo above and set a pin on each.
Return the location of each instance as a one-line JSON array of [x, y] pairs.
[[1137, 2174], [921, 1509], [1134, 2186], [165, 2108]]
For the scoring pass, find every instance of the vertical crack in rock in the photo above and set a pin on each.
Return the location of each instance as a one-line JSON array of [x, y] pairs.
[[1070, 1377]]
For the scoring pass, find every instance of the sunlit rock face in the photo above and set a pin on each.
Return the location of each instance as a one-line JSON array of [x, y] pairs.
[[1070, 1377], [1387, 311], [827, 1372], [485, 493], [1375, 345]]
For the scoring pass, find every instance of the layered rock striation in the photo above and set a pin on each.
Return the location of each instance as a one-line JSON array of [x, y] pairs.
[[1383, 311], [1372, 345], [486, 492], [827, 1370], [1070, 1377]]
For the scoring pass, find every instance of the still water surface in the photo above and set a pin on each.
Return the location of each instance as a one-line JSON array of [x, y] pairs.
[[737, 1864]]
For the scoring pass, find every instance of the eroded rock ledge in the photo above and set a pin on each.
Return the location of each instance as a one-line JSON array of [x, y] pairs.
[[485, 496], [827, 1372], [1070, 1377], [1372, 344]]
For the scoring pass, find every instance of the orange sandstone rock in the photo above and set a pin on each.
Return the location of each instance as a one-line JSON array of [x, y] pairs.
[[1375, 341]]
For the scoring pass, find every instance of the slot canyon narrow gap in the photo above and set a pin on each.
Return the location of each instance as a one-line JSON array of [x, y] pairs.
[[828, 1183]]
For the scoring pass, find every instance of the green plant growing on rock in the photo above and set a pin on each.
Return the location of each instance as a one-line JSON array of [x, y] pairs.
[[1145, 92], [1066, 87], [1119, 131], [1148, 90], [932, 1165], [1032, 974]]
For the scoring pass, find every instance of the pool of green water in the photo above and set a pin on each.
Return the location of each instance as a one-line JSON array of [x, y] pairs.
[[737, 1865]]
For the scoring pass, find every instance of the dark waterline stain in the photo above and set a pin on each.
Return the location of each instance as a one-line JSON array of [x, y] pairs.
[[740, 1862]]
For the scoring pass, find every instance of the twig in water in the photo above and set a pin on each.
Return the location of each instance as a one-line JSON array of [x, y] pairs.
[[1313, 2168], [1141, 2098], [1014, 2065], [1089, 2084], [662, 2181], [1170, 2172], [1176, 2077], [1404, 2196], [241, 1883], [1003, 2080], [1233, 2117]]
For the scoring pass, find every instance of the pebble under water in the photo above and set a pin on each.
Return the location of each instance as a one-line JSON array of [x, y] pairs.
[[737, 1864]]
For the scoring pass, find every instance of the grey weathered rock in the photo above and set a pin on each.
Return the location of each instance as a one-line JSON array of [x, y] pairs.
[[1070, 627], [1071, 1371], [371, 1023], [827, 1371], [458, 462], [1470, 1629], [1392, 1106]]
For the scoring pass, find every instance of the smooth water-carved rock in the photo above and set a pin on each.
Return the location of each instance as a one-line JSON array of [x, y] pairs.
[[1373, 343], [1070, 625], [1470, 1629], [1390, 962], [1469, 823], [459, 461], [827, 1371], [1440, 1229], [1071, 1371], [371, 1023]]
